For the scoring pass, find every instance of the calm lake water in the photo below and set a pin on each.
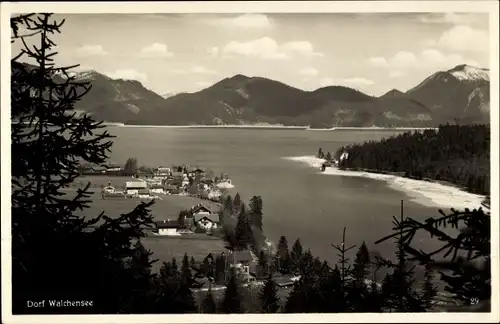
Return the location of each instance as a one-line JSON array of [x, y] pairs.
[[298, 200]]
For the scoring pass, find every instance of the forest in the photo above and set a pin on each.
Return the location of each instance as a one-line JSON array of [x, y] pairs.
[[59, 255], [458, 154]]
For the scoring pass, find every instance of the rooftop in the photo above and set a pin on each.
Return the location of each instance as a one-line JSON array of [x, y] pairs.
[[212, 217], [167, 223]]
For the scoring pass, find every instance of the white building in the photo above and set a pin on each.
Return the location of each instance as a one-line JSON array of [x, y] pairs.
[[167, 228], [133, 187], [207, 222]]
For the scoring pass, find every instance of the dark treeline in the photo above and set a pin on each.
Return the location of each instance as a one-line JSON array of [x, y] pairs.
[[100, 265], [459, 154]]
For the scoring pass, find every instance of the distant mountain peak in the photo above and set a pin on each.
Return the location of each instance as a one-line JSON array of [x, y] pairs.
[[239, 77], [392, 93], [464, 72]]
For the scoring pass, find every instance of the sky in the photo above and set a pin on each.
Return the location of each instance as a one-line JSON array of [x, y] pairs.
[[371, 52]]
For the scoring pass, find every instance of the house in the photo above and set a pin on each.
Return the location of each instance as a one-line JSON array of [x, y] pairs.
[[170, 189], [98, 169], [108, 189], [199, 172], [113, 168], [207, 222], [200, 209], [162, 172], [285, 281], [185, 181], [244, 262], [203, 186], [157, 188], [167, 227], [133, 187]]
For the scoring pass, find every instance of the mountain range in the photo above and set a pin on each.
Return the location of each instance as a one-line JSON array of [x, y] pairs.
[[460, 94]]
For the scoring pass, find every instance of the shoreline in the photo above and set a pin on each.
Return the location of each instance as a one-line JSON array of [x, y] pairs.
[[250, 126], [425, 193]]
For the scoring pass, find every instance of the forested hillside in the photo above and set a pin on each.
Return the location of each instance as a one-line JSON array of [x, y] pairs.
[[453, 153]]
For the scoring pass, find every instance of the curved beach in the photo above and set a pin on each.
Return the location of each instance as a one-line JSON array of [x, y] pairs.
[[426, 193]]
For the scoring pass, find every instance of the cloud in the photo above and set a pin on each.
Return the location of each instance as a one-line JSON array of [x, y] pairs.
[[308, 71], [465, 38], [197, 69], [213, 51], [400, 59], [243, 21], [156, 50], [452, 18], [91, 50], [357, 81], [268, 48], [396, 74], [428, 58], [128, 74], [436, 58]]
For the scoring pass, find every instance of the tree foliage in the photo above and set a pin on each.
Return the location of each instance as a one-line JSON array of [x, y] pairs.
[[54, 250], [459, 154]]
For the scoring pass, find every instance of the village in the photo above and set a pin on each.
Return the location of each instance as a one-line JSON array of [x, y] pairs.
[[153, 183], [198, 223]]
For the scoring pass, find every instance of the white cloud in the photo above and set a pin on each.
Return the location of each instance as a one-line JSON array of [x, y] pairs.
[[308, 71], [304, 48], [396, 74], [465, 38], [213, 51], [156, 50], [128, 74], [268, 48], [357, 81], [91, 50], [403, 59], [400, 59], [378, 61], [428, 58], [452, 18], [435, 58], [243, 21]]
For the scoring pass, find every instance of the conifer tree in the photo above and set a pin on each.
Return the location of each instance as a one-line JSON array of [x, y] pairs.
[[320, 154], [296, 255], [466, 268], [237, 203], [263, 265], [358, 290], [208, 304], [282, 258], [243, 231], [175, 268], [51, 243], [256, 212], [139, 266], [361, 264], [269, 296], [345, 271], [131, 167], [231, 303], [398, 292]]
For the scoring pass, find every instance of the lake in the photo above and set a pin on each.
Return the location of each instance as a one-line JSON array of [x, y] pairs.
[[299, 201]]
